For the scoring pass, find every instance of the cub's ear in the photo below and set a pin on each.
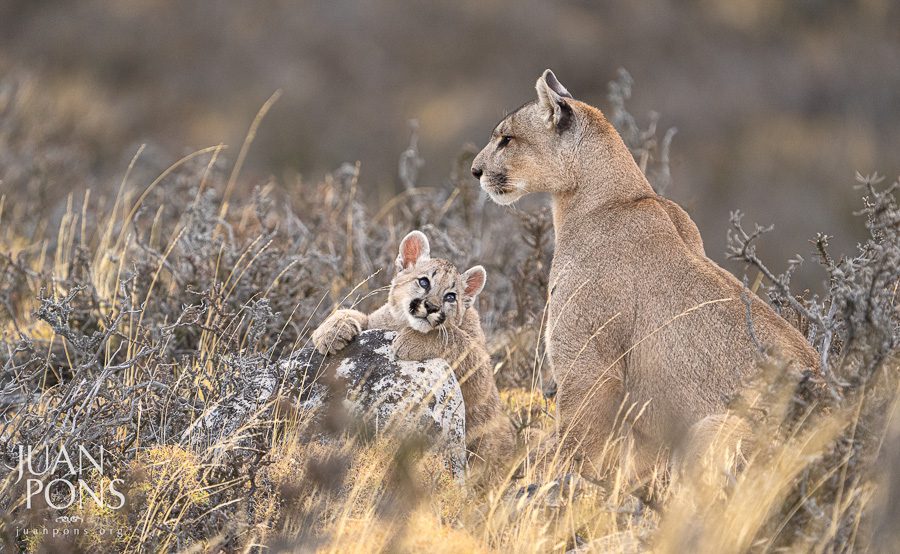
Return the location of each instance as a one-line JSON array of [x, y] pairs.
[[474, 280], [553, 100], [413, 247]]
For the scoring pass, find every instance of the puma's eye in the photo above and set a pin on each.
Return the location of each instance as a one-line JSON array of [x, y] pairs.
[[424, 283], [504, 140], [450, 297]]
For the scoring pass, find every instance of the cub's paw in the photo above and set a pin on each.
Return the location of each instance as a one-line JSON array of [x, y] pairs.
[[335, 333], [407, 345]]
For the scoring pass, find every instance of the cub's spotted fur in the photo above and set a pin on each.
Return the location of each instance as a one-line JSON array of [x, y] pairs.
[[430, 305]]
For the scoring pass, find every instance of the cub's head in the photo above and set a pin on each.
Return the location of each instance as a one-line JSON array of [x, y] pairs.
[[429, 291], [532, 149]]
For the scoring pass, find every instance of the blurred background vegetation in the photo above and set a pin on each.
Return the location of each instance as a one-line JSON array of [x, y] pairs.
[[777, 103]]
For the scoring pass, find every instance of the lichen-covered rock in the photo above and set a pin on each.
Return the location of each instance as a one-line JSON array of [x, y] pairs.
[[367, 381]]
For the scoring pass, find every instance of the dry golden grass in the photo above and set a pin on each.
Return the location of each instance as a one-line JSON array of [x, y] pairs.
[[181, 290]]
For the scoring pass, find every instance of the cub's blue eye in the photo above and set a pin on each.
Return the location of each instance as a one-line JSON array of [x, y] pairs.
[[450, 297], [424, 283], [504, 140]]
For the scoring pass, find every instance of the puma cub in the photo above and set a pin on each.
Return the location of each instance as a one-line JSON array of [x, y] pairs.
[[646, 336], [431, 306]]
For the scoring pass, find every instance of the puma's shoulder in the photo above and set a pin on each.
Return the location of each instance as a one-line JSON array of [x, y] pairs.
[[658, 212], [686, 227]]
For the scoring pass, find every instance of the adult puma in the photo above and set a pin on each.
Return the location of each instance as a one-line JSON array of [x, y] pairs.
[[645, 334]]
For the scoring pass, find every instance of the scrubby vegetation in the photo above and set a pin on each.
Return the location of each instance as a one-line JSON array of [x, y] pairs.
[[127, 317]]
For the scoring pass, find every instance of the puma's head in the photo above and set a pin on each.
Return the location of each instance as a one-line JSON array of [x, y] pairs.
[[533, 148], [427, 291]]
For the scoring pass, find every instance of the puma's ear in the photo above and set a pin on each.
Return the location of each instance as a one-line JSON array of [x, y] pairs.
[[413, 247], [474, 279], [553, 100]]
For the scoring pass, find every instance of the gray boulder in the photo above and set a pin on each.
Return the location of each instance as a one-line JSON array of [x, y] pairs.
[[364, 382]]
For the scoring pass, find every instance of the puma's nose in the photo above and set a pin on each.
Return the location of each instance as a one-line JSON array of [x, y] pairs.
[[477, 172], [431, 308]]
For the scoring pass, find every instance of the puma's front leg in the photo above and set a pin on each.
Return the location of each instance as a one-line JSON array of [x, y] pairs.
[[590, 392], [338, 330]]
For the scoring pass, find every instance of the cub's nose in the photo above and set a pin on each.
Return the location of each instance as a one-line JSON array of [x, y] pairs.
[[477, 172], [431, 308]]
